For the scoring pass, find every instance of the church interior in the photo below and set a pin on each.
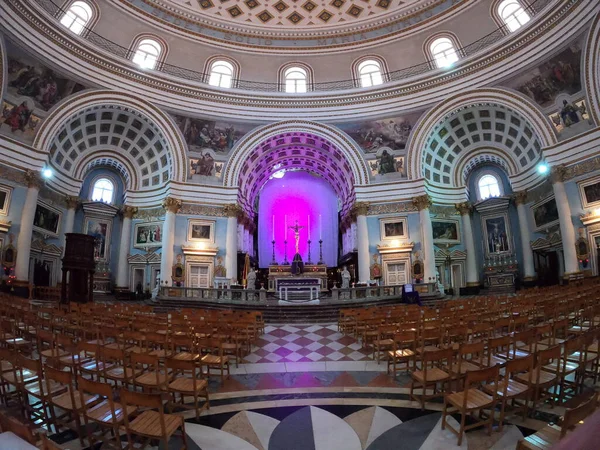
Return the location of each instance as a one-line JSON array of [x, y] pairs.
[[299, 224]]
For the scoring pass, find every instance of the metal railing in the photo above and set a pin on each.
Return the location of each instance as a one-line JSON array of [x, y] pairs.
[[57, 11]]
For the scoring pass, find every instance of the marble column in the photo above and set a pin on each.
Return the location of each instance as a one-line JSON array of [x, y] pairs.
[[34, 183], [72, 203], [171, 205], [241, 241], [423, 203], [528, 266], [567, 230], [232, 212], [124, 247], [360, 210], [465, 209]]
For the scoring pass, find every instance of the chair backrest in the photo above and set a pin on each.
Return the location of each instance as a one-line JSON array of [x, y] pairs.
[[516, 366], [573, 416], [545, 357], [154, 401], [471, 351], [60, 376], [438, 356], [488, 375]]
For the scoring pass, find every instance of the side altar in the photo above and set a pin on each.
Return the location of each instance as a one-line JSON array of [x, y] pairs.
[[313, 274]]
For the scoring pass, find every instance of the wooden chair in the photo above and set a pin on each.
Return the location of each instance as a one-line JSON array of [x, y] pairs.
[[509, 389], [150, 377], [543, 379], [115, 367], [183, 348], [403, 349], [384, 340], [498, 350], [473, 399], [469, 357], [186, 381], [40, 390], [522, 343], [70, 403], [215, 358], [22, 430], [17, 378], [107, 414], [433, 373], [150, 424]]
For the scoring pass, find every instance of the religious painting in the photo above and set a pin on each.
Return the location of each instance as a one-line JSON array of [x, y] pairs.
[[148, 234], [5, 193], [30, 79], [560, 74], [589, 190], [393, 228], [445, 231], [19, 120], [99, 228], [386, 163], [569, 114], [205, 165], [201, 134], [545, 213], [201, 230], [496, 237], [46, 219], [392, 133]]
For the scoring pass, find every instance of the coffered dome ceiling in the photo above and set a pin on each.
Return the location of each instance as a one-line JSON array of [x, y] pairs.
[[295, 19]]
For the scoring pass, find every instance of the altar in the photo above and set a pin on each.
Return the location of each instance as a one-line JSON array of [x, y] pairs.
[[281, 275]]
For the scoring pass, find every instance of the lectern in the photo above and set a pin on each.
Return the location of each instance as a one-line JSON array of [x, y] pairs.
[[78, 267]]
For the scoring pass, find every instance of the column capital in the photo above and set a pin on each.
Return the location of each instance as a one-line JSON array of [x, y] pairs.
[[520, 197], [422, 202], [172, 205], [71, 201], [464, 208], [558, 174], [233, 210], [360, 208], [33, 179], [129, 211]]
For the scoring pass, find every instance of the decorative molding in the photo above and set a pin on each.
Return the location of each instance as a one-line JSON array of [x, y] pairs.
[[172, 205], [152, 258], [32, 179], [551, 240], [190, 209], [405, 247], [10, 174], [38, 245], [233, 210], [129, 211], [558, 174], [520, 198], [5, 226], [360, 209], [150, 215], [464, 208], [422, 202], [582, 168], [443, 210], [196, 251], [391, 208], [71, 202]]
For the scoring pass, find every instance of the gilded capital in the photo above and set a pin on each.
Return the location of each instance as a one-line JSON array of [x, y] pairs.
[[33, 179], [71, 201], [558, 174], [129, 211], [360, 209], [422, 202], [233, 210], [520, 197], [172, 205], [464, 208]]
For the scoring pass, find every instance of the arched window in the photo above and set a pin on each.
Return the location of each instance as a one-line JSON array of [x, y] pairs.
[[147, 53], [488, 186], [103, 190], [221, 74], [77, 17], [369, 73], [512, 14], [295, 80], [443, 52]]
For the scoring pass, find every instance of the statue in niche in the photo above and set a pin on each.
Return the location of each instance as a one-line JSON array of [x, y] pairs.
[[346, 278], [440, 285], [251, 279], [568, 114], [156, 286]]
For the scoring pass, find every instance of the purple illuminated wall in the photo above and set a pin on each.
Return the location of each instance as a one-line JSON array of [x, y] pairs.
[[298, 195]]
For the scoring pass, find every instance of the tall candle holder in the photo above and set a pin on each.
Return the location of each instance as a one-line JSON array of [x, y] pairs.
[[320, 251], [273, 261], [309, 258], [285, 260]]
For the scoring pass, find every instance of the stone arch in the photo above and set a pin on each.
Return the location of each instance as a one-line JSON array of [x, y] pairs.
[[300, 145], [103, 122], [534, 131], [591, 69]]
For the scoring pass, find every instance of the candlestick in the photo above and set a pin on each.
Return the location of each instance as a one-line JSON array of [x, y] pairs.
[[285, 227], [273, 227], [320, 228], [320, 251], [309, 258], [273, 261], [285, 260], [309, 227]]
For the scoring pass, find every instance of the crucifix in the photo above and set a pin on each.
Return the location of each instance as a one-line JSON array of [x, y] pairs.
[[296, 228]]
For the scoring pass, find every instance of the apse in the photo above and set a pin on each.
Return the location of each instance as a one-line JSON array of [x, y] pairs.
[[303, 197]]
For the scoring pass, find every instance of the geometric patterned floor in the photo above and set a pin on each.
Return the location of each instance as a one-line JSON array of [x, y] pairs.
[[306, 343]]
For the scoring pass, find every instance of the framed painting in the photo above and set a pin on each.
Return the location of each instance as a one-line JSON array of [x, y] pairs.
[[148, 234], [589, 190], [46, 219], [496, 234], [5, 192], [100, 228], [393, 228], [445, 231], [545, 213], [201, 230]]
